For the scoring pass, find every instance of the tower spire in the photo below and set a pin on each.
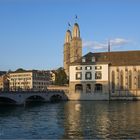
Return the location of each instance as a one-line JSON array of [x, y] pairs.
[[76, 31]]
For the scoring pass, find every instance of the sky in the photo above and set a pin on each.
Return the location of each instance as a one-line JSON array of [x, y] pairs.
[[32, 32]]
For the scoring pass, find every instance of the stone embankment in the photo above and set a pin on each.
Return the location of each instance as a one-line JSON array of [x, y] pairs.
[[59, 88]]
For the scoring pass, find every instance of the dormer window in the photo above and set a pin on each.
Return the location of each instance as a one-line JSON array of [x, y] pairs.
[[93, 59], [83, 59]]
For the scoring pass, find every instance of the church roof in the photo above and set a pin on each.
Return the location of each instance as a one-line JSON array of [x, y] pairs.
[[119, 58]]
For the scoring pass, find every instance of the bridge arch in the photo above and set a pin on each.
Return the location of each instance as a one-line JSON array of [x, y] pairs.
[[55, 97], [36, 98], [7, 100]]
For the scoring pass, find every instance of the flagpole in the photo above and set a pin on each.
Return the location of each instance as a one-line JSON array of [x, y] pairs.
[[76, 18], [108, 45], [69, 25]]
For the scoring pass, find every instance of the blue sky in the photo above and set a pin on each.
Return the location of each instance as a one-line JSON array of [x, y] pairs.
[[32, 31]]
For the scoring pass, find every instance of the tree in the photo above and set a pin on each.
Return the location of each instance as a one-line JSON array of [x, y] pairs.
[[61, 77], [20, 70]]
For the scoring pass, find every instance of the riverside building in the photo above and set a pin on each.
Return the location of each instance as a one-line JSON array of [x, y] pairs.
[[100, 76], [4, 82], [29, 80]]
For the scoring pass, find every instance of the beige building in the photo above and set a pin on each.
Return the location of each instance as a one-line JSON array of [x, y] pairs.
[[29, 80], [72, 47], [4, 82], [106, 75]]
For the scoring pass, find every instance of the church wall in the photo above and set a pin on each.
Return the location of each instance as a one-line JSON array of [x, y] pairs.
[[126, 85]]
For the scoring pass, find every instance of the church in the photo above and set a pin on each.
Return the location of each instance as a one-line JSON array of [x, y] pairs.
[[100, 76]]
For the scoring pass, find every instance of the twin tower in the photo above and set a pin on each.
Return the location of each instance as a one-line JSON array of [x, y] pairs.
[[72, 47]]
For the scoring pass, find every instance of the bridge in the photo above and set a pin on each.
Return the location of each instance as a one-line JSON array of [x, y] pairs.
[[20, 98]]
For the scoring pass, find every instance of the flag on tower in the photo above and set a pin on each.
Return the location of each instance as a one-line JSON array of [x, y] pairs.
[[69, 24]]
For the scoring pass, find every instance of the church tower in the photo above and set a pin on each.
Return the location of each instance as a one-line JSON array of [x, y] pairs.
[[72, 47], [67, 51], [76, 44]]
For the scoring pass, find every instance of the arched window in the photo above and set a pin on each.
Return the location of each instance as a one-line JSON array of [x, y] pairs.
[[121, 81], [88, 88], [138, 79], [78, 88], [130, 79], [113, 81], [98, 88], [117, 78]]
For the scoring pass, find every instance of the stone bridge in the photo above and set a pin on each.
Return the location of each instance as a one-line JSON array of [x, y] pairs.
[[20, 98]]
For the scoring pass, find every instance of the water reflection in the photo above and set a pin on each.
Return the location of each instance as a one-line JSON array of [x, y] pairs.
[[72, 120], [102, 120]]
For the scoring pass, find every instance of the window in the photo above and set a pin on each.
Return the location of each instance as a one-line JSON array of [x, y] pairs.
[[98, 75], [88, 68], [78, 88], [88, 76], [121, 81], [83, 59], [78, 68], [78, 75], [130, 79], [98, 67], [93, 59], [98, 87]]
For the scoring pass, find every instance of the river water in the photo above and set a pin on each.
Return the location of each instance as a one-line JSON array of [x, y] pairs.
[[72, 119]]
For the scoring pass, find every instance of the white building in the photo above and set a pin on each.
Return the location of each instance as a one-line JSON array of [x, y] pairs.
[[106, 75], [29, 80]]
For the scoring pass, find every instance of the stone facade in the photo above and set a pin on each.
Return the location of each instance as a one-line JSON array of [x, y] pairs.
[[125, 80], [72, 47]]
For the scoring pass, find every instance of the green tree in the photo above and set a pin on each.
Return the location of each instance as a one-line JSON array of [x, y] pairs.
[[20, 70], [61, 77]]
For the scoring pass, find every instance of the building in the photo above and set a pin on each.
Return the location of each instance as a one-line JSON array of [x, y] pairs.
[[4, 82], [72, 47], [107, 74], [103, 75], [29, 80], [52, 76]]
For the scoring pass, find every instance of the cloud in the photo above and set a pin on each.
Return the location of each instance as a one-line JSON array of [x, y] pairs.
[[95, 45], [117, 42]]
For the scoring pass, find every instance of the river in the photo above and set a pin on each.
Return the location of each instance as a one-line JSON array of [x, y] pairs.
[[71, 120]]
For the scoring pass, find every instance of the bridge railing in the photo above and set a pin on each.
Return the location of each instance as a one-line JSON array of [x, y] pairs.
[[23, 92]]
